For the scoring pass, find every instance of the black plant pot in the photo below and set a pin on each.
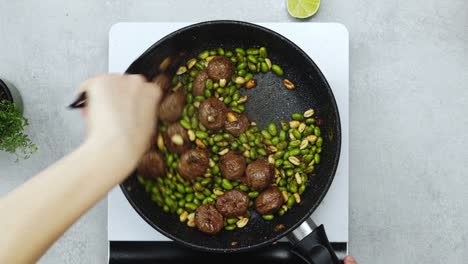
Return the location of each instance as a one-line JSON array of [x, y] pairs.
[[9, 92]]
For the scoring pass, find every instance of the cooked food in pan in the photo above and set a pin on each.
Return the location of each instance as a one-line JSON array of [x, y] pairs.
[[213, 166]]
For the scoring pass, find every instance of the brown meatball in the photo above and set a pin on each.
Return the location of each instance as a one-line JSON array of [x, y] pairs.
[[208, 219], [199, 83], [220, 67], [269, 201], [162, 81], [260, 174], [176, 139], [172, 106], [193, 163], [151, 165], [212, 113], [232, 166], [235, 123], [233, 203]]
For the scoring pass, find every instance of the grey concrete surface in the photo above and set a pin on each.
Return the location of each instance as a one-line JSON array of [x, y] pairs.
[[409, 106]]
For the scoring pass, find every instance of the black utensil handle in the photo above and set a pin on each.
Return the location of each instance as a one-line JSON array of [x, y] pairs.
[[316, 248], [80, 102]]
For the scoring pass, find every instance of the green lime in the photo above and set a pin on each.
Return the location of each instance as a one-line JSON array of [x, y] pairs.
[[303, 8]]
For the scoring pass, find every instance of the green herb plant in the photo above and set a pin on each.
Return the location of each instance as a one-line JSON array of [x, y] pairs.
[[12, 137]]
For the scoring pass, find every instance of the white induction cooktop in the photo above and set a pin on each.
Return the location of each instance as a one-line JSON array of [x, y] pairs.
[[326, 43]]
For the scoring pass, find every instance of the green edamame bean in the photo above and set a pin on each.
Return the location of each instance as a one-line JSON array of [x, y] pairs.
[[206, 181], [217, 138], [251, 66], [282, 182], [204, 55], [230, 227], [199, 98], [221, 51], [226, 184], [199, 196], [252, 58], [196, 202], [243, 138], [253, 154], [302, 189], [240, 51], [266, 134], [272, 129], [279, 154], [261, 152], [268, 217], [295, 143], [180, 188], [308, 158], [242, 72], [169, 202], [317, 158], [275, 141], [212, 52], [281, 212], [277, 70], [209, 84], [294, 152], [243, 187], [319, 150], [297, 117], [252, 51], [215, 149], [181, 203], [263, 52], [188, 189], [282, 145], [166, 209], [284, 125], [248, 77], [208, 93], [208, 200], [310, 121], [215, 169], [198, 187], [207, 192], [291, 201], [319, 142], [292, 187], [229, 54], [190, 206], [282, 135], [264, 67], [185, 124], [296, 134], [201, 134], [189, 197], [241, 65], [317, 131], [253, 194], [231, 221], [308, 131], [278, 163]]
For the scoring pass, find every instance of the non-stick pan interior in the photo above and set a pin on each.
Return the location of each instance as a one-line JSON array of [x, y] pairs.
[[268, 102]]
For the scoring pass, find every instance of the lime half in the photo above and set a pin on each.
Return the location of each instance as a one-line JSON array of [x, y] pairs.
[[303, 8]]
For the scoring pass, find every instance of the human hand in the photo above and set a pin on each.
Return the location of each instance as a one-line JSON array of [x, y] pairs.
[[349, 260], [121, 113]]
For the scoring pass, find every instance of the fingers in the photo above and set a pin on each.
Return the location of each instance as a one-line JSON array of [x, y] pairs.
[[349, 260]]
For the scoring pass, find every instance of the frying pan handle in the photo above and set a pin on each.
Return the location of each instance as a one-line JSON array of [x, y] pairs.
[[311, 242]]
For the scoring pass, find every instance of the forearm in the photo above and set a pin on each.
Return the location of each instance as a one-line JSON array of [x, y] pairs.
[[38, 212]]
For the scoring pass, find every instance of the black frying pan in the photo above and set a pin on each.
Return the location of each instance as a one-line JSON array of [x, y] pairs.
[[268, 102]]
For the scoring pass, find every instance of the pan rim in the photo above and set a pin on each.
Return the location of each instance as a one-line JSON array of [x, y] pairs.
[[335, 160]]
